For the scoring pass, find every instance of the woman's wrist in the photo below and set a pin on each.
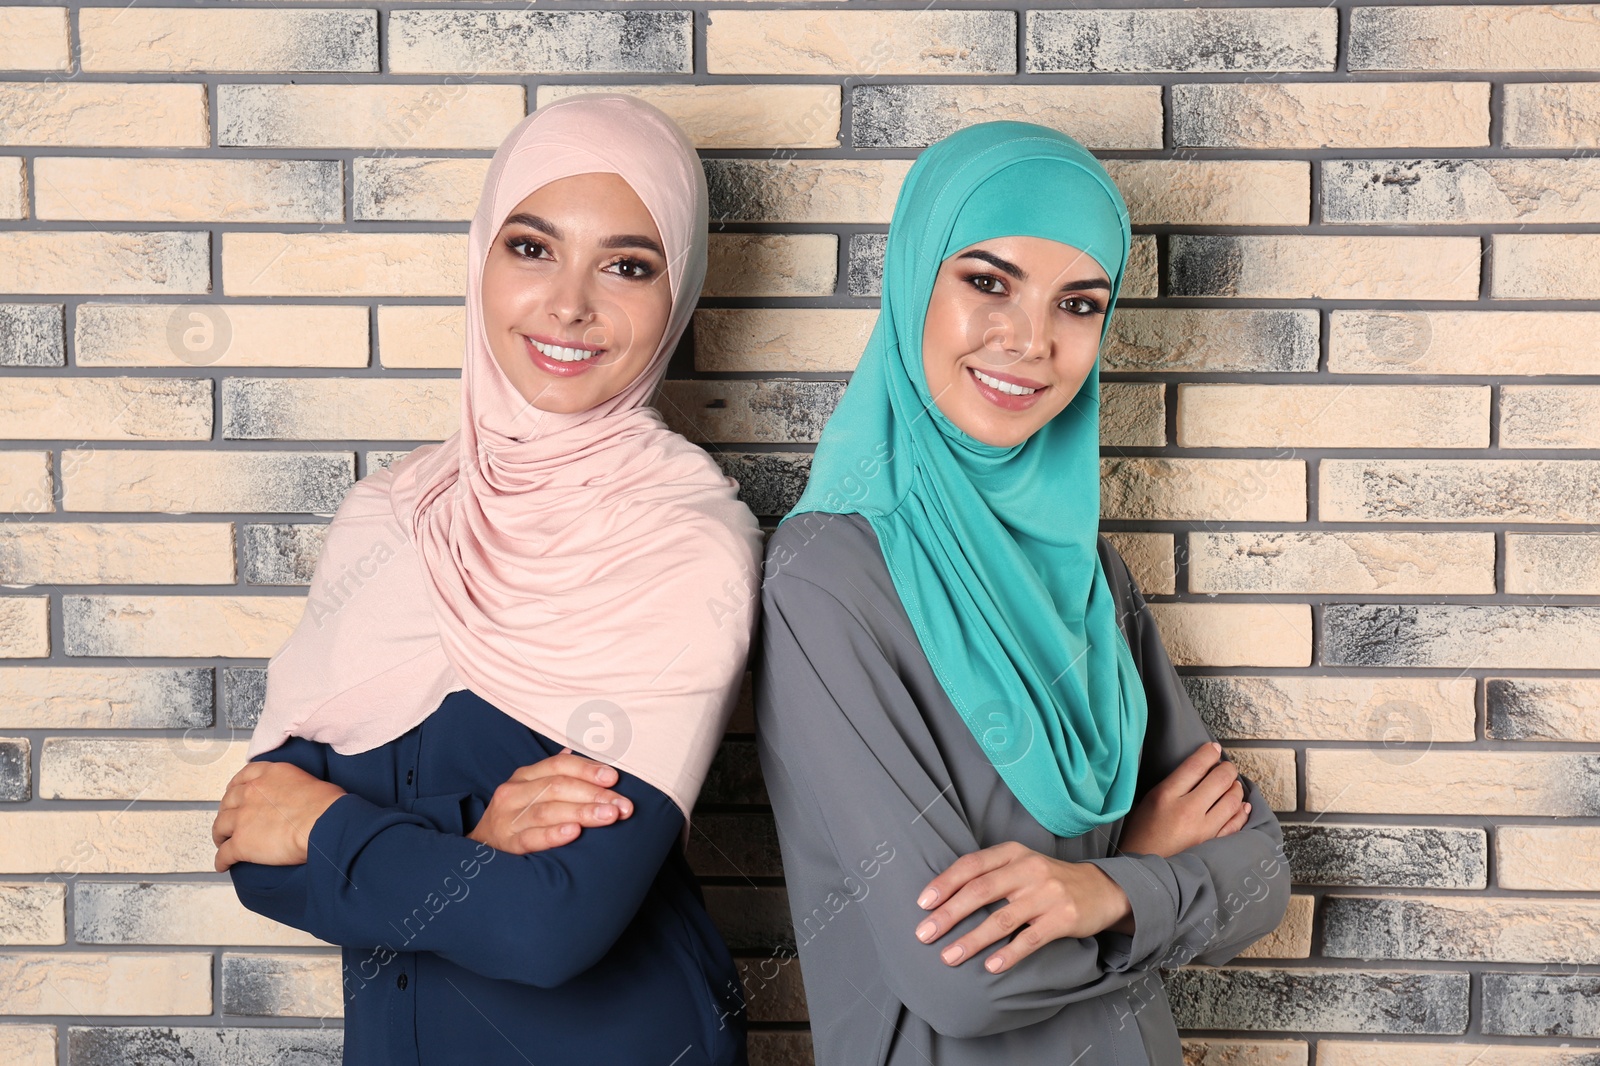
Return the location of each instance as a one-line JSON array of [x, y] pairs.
[[1118, 910]]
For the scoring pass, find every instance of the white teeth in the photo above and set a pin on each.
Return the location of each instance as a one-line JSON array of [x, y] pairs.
[[1003, 386], [564, 355]]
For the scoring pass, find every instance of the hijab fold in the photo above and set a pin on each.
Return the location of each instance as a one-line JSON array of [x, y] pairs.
[[993, 549], [591, 574]]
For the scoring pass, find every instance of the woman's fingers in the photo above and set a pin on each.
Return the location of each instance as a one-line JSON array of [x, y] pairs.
[[973, 864], [1191, 771], [520, 795], [554, 814], [543, 838], [222, 826], [567, 764], [999, 925]]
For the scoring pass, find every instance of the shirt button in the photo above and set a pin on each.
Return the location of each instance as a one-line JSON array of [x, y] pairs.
[[401, 982], [409, 775]]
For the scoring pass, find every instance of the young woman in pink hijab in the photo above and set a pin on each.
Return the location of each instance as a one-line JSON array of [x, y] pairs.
[[564, 575]]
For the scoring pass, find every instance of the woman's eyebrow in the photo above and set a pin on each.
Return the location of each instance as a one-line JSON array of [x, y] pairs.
[[621, 240], [1022, 275]]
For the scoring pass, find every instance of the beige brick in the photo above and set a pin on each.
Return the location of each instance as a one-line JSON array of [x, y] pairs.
[[426, 409], [1222, 490], [408, 190], [1304, 266], [1459, 490], [1180, 192], [417, 337], [1333, 416], [752, 115], [13, 188], [103, 115], [1549, 416], [1207, 340], [1460, 191], [34, 38], [1235, 634], [1344, 114], [224, 335], [1133, 414], [126, 553], [861, 42], [122, 768], [24, 627], [189, 190], [1488, 343], [79, 984], [175, 481], [1212, 39], [166, 912], [1461, 928], [34, 261], [1553, 564], [1150, 559], [33, 913], [1545, 114], [105, 697], [1548, 858], [1546, 266], [1478, 37], [405, 117], [106, 409], [507, 41], [1381, 1053], [195, 39], [1099, 116], [1456, 783], [1395, 563], [28, 1045], [1543, 708], [763, 412], [26, 482], [1291, 940], [1141, 282], [282, 986], [810, 190], [68, 843], [1338, 708], [772, 264], [243, 627], [1273, 770], [784, 339], [344, 264]]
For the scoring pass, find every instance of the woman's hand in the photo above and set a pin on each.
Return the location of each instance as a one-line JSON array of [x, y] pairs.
[[1047, 899], [545, 804], [1200, 800], [267, 812]]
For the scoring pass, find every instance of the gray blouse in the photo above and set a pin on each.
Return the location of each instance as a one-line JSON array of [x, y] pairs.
[[877, 785]]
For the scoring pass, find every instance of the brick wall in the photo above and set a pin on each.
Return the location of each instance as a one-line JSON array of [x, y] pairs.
[[1352, 449]]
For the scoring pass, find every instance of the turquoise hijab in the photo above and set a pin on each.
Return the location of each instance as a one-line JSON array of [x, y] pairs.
[[993, 549]]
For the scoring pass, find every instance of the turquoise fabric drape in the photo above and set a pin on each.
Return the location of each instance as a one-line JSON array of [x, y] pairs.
[[992, 549]]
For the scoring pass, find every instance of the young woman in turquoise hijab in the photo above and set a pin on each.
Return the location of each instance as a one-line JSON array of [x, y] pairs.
[[999, 812]]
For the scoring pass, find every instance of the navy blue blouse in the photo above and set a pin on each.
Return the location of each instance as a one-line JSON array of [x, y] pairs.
[[597, 951]]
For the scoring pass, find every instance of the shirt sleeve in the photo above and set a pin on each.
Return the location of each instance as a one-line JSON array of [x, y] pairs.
[[379, 876], [847, 790], [1208, 902]]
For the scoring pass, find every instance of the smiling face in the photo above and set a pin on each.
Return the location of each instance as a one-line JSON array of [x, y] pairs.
[[575, 292], [1012, 331]]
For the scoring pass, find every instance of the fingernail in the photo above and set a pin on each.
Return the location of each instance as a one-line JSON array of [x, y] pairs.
[[567, 830], [1217, 746], [927, 898], [627, 808], [925, 932], [1247, 806], [952, 953], [994, 964]]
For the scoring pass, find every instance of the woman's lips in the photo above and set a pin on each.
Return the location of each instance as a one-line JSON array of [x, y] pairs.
[[994, 390], [560, 367]]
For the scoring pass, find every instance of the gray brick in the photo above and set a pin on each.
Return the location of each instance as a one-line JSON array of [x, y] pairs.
[[865, 272], [1531, 708], [32, 335], [770, 483], [734, 845], [1436, 634], [16, 769], [1541, 1004], [749, 412], [1205, 266], [1213, 39], [1387, 856], [541, 42], [140, 1045], [281, 554], [734, 776], [755, 919], [244, 688], [1343, 1001]]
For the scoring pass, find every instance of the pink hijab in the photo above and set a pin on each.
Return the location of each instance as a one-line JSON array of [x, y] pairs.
[[592, 575]]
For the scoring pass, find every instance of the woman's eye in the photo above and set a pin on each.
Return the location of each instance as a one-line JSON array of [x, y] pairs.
[[1086, 306], [633, 268], [987, 283], [517, 244]]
